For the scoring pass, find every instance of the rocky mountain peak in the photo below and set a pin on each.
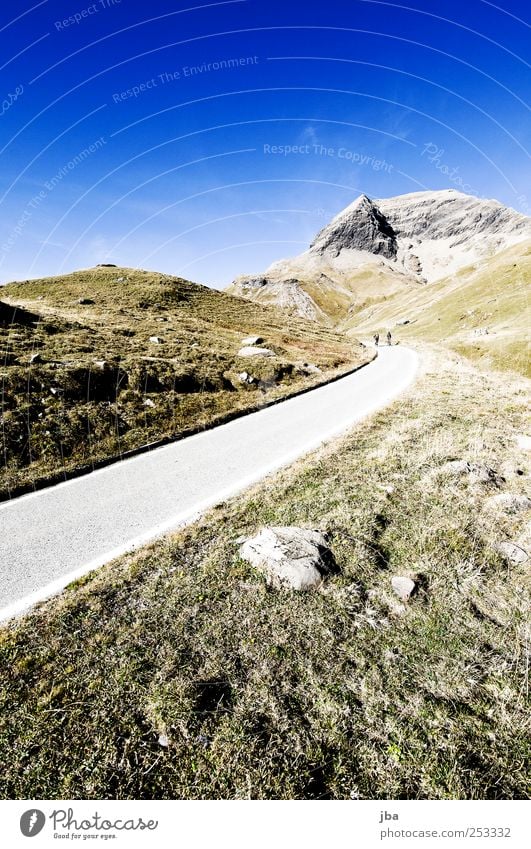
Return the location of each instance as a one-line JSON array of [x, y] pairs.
[[360, 227], [375, 248]]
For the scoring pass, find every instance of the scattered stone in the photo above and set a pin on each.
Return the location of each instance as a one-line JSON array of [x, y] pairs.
[[156, 340], [252, 340], [85, 302], [456, 467], [512, 552], [510, 502], [485, 475], [163, 740], [291, 557], [403, 586], [245, 377], [523, 441], [478, 473], [509, 470], [311, 368], [249, 351], [149, 403], [35, 358]]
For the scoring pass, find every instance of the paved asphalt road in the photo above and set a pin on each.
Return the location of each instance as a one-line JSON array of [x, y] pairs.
[[53, 536]]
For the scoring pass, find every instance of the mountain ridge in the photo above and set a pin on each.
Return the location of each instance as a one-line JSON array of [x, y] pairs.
[[378, 247]]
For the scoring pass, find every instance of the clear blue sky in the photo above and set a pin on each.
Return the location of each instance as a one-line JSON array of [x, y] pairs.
[[210, 141]]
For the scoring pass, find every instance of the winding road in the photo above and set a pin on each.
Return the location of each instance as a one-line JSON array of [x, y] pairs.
[[53, 536]]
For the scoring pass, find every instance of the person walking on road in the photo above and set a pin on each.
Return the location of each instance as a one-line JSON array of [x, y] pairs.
[[376, 338], [388, 337]]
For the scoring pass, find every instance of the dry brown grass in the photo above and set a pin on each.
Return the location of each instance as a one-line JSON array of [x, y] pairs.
[[340, 693]]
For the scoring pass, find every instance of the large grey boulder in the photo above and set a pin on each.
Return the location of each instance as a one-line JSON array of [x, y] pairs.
[[290, 557], [251, 351]]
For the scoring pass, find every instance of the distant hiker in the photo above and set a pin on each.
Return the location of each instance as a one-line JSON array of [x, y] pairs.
[[388, 337], [376, 338]]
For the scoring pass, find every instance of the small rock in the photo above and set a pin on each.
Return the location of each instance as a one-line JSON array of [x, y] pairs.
[[243, 376], [403, 586], [456, 467], [156, 340], [311, 368], [291, 557], [249, 351], [510, 502], [509, 470], [148, 403], [512, 552], [101, 364], [163, 741], [35, 358], [485, 475], [86, 301], [523, 442], [252, 340], [478, 473]]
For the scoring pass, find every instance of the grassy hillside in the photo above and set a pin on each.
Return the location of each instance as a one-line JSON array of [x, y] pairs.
[[177, 673], [334, 294], [483, 312], [102, 361]]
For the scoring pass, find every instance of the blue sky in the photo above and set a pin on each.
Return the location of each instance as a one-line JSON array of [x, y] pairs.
[[208, 140]]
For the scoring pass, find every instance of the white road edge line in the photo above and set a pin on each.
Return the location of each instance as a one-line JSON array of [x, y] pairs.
[[187, 517]]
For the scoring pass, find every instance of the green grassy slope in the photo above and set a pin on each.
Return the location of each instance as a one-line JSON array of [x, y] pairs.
[[82, 379], [493, 297]]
